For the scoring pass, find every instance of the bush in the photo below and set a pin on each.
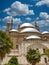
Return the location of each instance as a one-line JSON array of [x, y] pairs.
[[13, 61]]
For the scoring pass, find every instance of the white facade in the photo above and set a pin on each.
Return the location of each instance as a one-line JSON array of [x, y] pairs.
[[26, 37]]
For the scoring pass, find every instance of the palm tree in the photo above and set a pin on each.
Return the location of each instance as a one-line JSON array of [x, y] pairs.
[[33, 56], [5, 45], [13, 61], [47, 53]]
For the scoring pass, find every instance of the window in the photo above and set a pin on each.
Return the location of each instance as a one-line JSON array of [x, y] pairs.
[[44, 50], [45, 60], [37, 49], [17, 47]]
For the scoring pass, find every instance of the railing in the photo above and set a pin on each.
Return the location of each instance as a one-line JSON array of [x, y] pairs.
[[14, 53]]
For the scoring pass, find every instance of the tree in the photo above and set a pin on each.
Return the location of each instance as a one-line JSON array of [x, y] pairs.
[[5, 45], [47, 52], [33, 56], [13, 61]]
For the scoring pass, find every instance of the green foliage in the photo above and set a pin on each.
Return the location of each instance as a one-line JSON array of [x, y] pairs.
[[47, 52], [5, 44], [33, 56], [13, 61]]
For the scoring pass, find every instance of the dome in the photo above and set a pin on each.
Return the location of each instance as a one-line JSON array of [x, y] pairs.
[[26, 24], [45, 32], [33, 37], [29, 30], [13, 30]]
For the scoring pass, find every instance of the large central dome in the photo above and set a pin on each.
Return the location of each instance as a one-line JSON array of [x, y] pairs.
[[29, 30], [33, 37], [26, 25]]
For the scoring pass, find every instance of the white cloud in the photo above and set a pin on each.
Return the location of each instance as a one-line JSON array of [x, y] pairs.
[[30, 12], [9, 18], [44, 19], [17, 20], [6, 10], [37, 18], [30, 5], [28, 19], [44, 15], [42, 2], [17, 8], [3, 28], [43, 23]]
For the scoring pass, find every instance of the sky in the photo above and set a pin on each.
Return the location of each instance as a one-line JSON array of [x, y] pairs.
[[24, 11]]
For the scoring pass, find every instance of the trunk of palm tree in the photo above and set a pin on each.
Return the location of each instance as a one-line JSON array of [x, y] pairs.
[[33, 63], [48, 59], [0, 61]]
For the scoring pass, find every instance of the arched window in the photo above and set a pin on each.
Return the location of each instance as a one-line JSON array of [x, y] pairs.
[[17, 47], [44, 50], [37, 49], [45, 60]]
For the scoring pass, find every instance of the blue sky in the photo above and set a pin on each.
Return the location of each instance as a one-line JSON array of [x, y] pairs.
[[24, 11]]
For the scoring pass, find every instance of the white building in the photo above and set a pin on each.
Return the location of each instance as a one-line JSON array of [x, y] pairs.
[[27, 36]]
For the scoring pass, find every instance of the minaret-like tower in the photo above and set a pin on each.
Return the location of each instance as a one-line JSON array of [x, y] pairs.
[[9, 25], [36, 26], [19, 27]]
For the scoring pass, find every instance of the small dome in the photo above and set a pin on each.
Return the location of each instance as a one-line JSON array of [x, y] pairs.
[[29, 30], [33, 37], [13, 30], [26, 24], [45, 32]]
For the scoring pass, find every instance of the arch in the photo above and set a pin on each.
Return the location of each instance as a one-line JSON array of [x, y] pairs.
[[36, 45]]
